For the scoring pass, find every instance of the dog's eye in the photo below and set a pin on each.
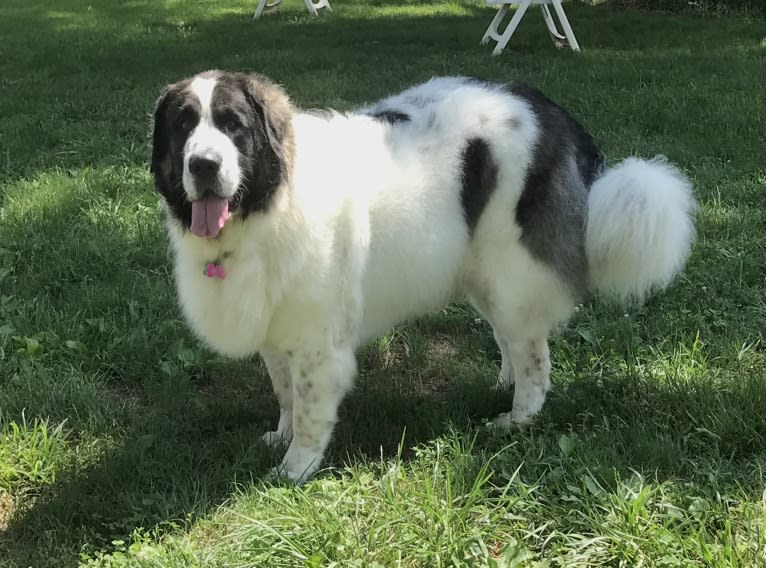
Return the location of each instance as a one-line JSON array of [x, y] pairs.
[[184, 123], [231, 124]]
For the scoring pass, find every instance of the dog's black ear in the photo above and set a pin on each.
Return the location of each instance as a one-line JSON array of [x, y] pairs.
[[274, 111], [160, 134]]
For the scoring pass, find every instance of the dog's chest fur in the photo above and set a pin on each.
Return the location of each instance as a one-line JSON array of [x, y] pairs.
[[233, 314]]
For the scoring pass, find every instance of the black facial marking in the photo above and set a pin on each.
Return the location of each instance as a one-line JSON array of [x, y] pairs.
[[479, 178], [175, 116], [391, 116], [239, 113], [239, 110], [266, 166]]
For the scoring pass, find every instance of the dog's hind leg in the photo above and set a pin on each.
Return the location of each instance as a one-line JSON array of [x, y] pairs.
[[523, 300], [522, 337], [505, 377], [279, 372], [532, 368]]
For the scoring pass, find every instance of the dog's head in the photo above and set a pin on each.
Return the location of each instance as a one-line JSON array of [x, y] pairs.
[[222, 144]]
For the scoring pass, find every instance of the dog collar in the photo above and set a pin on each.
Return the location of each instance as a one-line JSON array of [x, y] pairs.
[[215, 268]]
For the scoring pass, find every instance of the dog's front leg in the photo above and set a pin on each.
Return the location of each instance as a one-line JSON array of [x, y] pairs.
[[320, 379], [279, 372]]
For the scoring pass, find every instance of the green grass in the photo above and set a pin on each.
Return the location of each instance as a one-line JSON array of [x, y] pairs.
[[124, 443]]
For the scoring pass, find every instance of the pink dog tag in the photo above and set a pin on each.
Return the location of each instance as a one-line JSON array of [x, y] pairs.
[[213, 270]]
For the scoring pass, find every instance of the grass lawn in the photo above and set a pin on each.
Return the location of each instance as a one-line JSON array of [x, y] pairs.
[[124, 443]]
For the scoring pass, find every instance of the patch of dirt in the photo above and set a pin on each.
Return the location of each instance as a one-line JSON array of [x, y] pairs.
[[441, 347], [7, 508]]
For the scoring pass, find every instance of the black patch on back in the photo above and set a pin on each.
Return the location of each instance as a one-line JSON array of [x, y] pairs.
[[552, 208], [479, 178], [560, 137], [391, 116]]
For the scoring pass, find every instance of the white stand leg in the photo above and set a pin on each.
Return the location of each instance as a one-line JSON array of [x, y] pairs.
[[314, 6], [311, 6], [558, 39], [493, 32], [502, 38], [264, 7], [565, 24]]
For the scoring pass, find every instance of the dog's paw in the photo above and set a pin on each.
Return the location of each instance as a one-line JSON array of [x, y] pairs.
[[277, 476], [501, 423], [280, 475], [299, 464], [508, 421]]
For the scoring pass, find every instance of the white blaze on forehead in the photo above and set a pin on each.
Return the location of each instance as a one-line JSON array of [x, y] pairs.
[[207, 140], [202, 88]]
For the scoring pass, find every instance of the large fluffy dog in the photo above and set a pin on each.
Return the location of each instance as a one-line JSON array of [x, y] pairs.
[[302, 235]]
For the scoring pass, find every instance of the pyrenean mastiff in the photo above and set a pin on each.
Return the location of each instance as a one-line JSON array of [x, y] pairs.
[[302, 235]]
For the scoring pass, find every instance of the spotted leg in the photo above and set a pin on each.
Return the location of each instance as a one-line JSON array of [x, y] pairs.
[[321, 378], [523, 300], [531, 368], [279, 372]]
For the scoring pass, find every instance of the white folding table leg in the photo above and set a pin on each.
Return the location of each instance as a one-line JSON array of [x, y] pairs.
[[492, 31], [565, 24], [512, 25], [314, 6], [311, 6], [558, 39], [263, 6]]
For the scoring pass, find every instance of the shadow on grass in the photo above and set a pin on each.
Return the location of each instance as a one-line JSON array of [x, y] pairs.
[[193, 442], [182, 458]]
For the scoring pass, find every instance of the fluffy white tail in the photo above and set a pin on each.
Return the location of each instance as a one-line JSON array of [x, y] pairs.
[[640, 227]]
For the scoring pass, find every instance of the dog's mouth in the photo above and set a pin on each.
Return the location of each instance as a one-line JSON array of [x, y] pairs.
[[209, 214]]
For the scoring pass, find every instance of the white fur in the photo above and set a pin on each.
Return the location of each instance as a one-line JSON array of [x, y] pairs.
[[207, 141], [371, 232], [640, 228]]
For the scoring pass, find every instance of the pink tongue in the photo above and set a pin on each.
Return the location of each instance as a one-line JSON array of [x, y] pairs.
[[209, 215]]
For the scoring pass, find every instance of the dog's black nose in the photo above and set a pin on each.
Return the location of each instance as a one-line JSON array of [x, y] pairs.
[[204, 166]]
